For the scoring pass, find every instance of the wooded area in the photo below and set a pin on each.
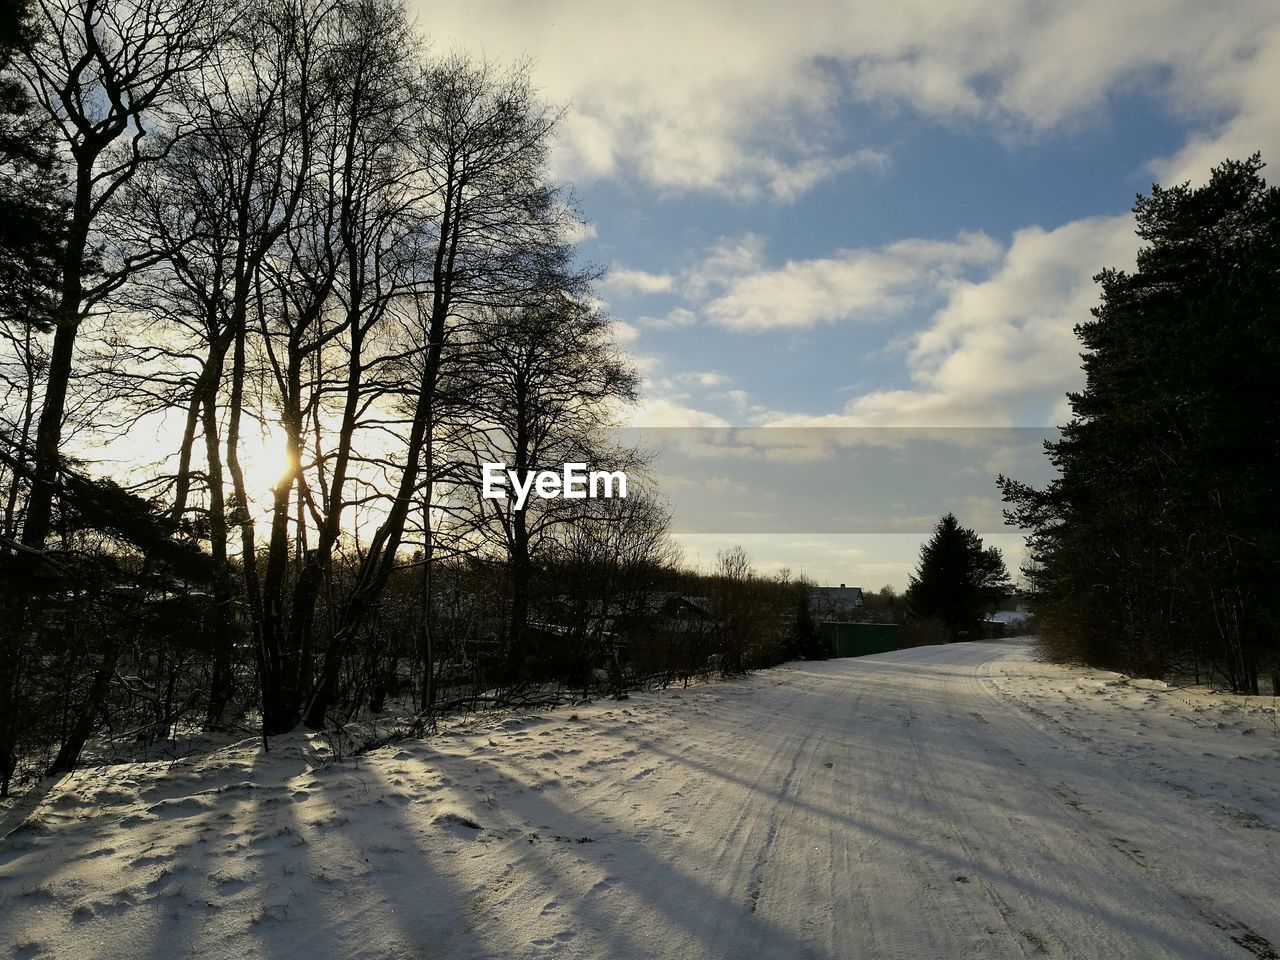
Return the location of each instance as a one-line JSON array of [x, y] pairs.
[[1156, 550], [243, 226]]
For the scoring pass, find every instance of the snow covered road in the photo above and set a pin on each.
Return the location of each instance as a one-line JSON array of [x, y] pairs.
[[954, 801]]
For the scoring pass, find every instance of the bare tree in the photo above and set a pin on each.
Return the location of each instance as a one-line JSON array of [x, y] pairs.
[[602, 563], [488, 220], [552, 379], [212, 214], [348, 265], [105, 74], [286, 216]]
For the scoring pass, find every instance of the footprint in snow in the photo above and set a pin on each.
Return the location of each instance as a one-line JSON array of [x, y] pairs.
[[152, 860], [564, 936], [98, 852], [177, 808], [458, 824]]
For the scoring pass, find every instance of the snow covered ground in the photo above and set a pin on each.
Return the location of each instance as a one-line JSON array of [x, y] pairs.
[[955, 801]]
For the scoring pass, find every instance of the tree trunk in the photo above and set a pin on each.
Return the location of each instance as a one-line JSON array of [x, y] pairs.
[[39, 517], [248, 544], [379, 560], [221, 680], [82, 726]]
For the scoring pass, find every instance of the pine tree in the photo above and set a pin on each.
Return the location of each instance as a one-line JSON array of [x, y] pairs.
[[805, 643], [959, 580], [1157, 546], [32, 196]]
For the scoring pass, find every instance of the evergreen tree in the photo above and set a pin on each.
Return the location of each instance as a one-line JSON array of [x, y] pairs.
[[32, 198], [1155, 548], [17, 35], [959, 581], [805, 643]]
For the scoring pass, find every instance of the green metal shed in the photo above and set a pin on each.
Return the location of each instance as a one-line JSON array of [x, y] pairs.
[[859, 639]]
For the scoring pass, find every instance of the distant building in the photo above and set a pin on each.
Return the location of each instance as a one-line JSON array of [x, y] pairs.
[[1010, 620], [834, 604], [648, 612]]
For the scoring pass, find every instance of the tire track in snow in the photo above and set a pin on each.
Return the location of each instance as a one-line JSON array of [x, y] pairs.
[[1127, 860]]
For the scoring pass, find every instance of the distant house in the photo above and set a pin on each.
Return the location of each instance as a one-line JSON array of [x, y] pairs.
[[685, 607], [653, 611], [834, 604], [1010, 618], [1007, 623]]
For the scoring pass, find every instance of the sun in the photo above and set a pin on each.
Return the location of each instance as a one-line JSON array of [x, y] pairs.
[[131, 456], [263, 458], [150, 448]]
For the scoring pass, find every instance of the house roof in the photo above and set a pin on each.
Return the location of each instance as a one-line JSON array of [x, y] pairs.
[[838, 595], [1010, 616]]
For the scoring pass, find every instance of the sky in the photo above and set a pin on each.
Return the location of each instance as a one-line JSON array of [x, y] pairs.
[[838, 216]]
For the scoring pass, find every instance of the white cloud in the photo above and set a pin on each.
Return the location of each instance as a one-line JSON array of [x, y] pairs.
[[853, 284], [741, 98], [740, 399], [704, 378], [1001, 351], [998, 350], [664, 411], [624, 333], [790, 181], [647, 364], [580, 230], [1241, 88], [729, 259], [679, 317], [685, 96], [626, 281], [669, 401]]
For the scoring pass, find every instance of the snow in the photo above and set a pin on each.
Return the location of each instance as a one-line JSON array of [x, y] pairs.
[[952, 801]]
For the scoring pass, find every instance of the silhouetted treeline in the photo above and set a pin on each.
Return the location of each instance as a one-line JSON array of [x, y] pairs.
[[1156, 550], [276, 282]]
